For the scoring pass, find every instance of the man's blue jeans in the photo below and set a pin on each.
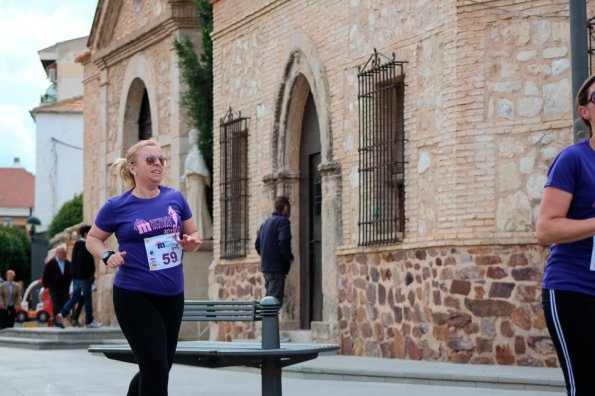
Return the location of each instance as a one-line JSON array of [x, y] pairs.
[[274, 284], [78, 286]]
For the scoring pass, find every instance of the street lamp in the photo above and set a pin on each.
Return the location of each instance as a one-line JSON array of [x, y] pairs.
[[30, 223], [38, 248]]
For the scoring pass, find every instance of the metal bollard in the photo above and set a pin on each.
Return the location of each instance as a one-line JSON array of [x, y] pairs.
[[271, 367], [270, 322]]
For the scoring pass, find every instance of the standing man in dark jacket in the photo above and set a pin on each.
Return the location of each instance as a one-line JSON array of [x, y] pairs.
[[273, 244], [83, 276], [56, 278]]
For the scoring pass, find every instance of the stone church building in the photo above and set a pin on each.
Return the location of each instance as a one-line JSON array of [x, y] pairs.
[[413, 139], [132, 88]]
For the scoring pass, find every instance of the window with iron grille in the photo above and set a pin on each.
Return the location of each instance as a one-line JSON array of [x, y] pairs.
[[234, 185], [381, 95]]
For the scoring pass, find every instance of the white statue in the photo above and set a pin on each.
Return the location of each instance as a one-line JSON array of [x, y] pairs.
[[197, 177]]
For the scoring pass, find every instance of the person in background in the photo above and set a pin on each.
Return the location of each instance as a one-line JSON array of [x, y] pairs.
[[153, 224], [10, 299], [567, 222], [77, 310], [273, 244], [56, 278], [83, 276]]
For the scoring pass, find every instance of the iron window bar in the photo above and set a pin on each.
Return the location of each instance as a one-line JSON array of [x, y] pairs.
[[234, 185], [591, 49], [381, 94]]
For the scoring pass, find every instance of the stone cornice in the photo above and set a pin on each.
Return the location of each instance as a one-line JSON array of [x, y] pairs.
[[348, 249], [83, 57], [330, 168], [181, 17], [273, 178], [285, 176], [269, 179]]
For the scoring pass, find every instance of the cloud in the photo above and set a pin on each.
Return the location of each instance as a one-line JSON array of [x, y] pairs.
[[17, 136], [27, 27]]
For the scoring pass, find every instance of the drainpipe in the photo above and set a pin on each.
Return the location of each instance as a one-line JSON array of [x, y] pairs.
[[578, 55]]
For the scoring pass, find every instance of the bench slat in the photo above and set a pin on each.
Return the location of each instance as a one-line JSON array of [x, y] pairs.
[[236, 311]]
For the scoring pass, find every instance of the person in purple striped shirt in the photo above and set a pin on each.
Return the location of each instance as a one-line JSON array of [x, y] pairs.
[[567, 223]]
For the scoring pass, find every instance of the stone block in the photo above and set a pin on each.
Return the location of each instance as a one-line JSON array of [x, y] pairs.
[[504, 355], [507, 328], [520, 347], [526, 274], [483, 308], [459, 320], [460, 287], [501, 290], [413, 351], [460, 357], [484, 345], [488, 260], [521, 317], [543, 345]]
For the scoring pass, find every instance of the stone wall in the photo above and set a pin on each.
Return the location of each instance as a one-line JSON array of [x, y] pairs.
[[240, 281], [477, 304], [465, 304]]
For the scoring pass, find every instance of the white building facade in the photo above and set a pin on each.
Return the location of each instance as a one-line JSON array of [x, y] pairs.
[[59, 157], [59, 130]]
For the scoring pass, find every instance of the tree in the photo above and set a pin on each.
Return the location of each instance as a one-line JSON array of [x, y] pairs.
[[15, 251], [71, 213]]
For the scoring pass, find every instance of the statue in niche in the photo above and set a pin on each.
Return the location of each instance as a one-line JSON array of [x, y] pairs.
[[196, 178]]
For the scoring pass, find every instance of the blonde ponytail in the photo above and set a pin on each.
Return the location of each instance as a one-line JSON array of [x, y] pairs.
[[121, 166]]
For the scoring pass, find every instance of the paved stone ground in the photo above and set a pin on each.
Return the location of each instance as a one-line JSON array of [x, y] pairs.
[[77, 372]]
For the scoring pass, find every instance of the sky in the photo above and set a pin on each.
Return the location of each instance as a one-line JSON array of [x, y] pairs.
[[27, 26]]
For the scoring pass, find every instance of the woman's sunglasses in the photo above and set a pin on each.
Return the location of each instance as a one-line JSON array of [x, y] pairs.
[[151, 159]]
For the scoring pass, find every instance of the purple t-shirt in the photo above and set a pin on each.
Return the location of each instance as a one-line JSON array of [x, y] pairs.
[[133, 219], [568, 266]]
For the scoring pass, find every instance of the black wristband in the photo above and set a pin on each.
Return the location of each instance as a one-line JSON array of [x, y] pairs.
[[106, 255]]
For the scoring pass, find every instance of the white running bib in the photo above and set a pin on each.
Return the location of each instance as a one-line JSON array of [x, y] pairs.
[[592, 266], [163, 251]]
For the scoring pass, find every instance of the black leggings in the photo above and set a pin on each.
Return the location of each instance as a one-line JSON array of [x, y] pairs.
[[151, 325], [570, 319]]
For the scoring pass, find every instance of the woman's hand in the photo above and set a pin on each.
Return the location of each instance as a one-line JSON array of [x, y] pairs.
[[116, 260], [189, 243]]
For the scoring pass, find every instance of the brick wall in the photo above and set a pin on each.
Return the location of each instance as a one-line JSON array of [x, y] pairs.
[[487, 103]]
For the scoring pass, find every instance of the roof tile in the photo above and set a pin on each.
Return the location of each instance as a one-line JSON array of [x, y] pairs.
[[17, 188]]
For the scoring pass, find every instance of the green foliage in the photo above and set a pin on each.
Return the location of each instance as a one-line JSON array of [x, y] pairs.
[[15, 252], [197, 73], [70, 213]]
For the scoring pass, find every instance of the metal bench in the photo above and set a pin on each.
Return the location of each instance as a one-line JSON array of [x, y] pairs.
[[270, 355]]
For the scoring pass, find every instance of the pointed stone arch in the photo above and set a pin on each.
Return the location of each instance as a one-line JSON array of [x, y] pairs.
[[304, 73], [302, 67]]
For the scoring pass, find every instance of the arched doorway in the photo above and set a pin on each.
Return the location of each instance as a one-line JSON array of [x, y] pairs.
[[303, 168], [310, 222], [138, 123]]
